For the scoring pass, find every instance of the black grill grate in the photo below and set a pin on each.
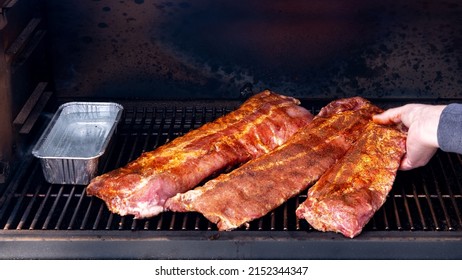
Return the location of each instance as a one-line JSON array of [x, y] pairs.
[[426, 199]]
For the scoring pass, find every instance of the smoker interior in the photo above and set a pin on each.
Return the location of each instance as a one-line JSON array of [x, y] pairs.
[[175, 65], [42, 220]]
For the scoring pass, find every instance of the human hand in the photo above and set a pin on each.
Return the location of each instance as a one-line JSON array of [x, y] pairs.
[[422, 123]]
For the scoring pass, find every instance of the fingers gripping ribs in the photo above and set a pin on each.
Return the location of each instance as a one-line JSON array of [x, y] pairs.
[[259, 125]]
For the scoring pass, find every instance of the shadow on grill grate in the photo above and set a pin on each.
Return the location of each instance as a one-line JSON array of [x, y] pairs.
[[427, 199]]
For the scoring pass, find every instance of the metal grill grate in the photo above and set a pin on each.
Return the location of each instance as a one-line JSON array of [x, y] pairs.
[[427, 199]]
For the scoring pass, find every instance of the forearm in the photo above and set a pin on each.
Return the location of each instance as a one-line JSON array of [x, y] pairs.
[[450, 129]]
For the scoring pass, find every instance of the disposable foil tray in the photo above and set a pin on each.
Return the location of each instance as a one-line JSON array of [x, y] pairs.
[[70, 147]]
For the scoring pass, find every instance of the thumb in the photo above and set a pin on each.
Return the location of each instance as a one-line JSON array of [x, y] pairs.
[[390, 116], [406, 163]]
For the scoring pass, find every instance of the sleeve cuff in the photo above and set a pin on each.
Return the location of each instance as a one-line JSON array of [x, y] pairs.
[[449, 131]]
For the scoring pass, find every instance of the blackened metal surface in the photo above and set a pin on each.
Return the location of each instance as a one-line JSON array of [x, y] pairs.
[[213, 49]]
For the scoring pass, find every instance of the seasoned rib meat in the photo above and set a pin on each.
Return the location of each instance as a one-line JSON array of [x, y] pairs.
[[262, 184], [346, 197], [260, 124]]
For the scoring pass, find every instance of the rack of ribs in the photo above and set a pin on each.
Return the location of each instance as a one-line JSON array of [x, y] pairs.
[[259, 186], [263, 122], [346, 197]]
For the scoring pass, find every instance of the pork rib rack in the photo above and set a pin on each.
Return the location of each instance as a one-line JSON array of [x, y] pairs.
[[346, 197], [265, 121]]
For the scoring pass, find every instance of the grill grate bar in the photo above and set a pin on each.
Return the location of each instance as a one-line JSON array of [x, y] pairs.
[[197, 223], [430, 205], [136, 134], [159, 222], [121, 223], [150, 131], [385, 219], [86, 216], [396, 211], [171, 126], [185, 222], [172, 222], [419, 207], [134, 223], [407, 209], [119, 160], [440, 199], [157, 143], [182, 123], [65, 207], [146, 225], [40, 209], [52, 209], [109, 221], [99, 217], [273, 221], [77, 210]]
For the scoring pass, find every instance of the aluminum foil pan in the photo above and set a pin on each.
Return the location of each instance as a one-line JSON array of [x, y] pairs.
[[70, 147]]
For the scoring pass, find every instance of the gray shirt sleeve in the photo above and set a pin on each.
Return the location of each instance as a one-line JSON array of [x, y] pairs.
[[449, 131]]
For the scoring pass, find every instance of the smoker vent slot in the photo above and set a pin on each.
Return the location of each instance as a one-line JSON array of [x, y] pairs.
[[426, 199]]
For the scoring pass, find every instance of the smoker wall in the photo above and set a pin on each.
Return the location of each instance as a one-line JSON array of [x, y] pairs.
[[210, 49], [23, 65]]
